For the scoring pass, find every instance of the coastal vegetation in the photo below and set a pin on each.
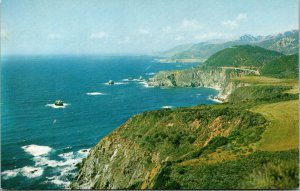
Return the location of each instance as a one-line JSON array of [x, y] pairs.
[[248, 142]]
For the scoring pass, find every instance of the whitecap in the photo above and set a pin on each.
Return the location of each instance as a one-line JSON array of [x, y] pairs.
[[27, 171], [58, 107], [167, 107], [145, 84], [37, 150], [150, 74], [66, 166], [94, 93], [32, 172], [10, 173], [116, 83], [120, 83], [84, 152], [58, 180]]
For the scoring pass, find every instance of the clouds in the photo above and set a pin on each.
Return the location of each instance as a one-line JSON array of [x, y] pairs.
[[186, 25], [209, 35], [189, 25], [143, 31], [54, 36], [233, 24], [98, 35], [123, 40], [4, 34]]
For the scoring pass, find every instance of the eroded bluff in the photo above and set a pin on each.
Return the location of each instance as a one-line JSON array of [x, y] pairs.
[[141, 153], [212, 77]]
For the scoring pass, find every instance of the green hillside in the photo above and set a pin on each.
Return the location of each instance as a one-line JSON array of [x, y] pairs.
[[285, 67], [243, 55]]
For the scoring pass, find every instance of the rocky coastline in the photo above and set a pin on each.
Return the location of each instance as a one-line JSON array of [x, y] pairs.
[[219, 79]]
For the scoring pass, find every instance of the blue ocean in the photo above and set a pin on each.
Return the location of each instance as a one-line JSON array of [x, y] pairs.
[[42, 144]]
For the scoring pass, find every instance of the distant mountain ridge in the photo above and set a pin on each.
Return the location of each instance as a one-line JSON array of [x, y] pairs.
[[286, 43]]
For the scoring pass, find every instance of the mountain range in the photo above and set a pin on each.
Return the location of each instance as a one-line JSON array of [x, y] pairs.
[[286, 43]]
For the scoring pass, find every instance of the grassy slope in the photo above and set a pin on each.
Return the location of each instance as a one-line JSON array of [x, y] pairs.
[[270, 162], [283, 131], [263, 80], [266, 162]]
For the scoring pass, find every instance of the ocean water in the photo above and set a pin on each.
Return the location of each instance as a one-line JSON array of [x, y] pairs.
[[41, 144]]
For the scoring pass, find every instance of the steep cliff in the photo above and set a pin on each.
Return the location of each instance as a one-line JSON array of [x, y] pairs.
[[136, 153], [211, 77]]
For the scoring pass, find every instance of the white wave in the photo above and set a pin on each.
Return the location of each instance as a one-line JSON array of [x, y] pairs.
[[65, 167], [58, 107], [167, 107], [58, 180], [150, 74], [133, 80], [32, 172], [218, 88], [10, 173], [215, 100], [94, 93], [66, 155], [84, 152], [116, 83], [145, 84], [27, 171], [120, 83], [37, 150]]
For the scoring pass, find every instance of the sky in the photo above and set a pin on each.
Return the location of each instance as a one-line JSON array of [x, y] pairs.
[[135, 26]]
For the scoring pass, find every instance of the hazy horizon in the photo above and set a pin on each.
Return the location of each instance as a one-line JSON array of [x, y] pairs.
[[133, 27]]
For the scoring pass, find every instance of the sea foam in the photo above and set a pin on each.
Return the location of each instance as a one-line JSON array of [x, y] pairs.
[[94, 93], [167, 107], [27, 171], [58, 107], [145, 84], [150, 74], [36, 150], [64, 168]]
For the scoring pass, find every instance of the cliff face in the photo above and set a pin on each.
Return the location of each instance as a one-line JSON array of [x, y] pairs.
[[217, 78], [138, 154], [114, 163]]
